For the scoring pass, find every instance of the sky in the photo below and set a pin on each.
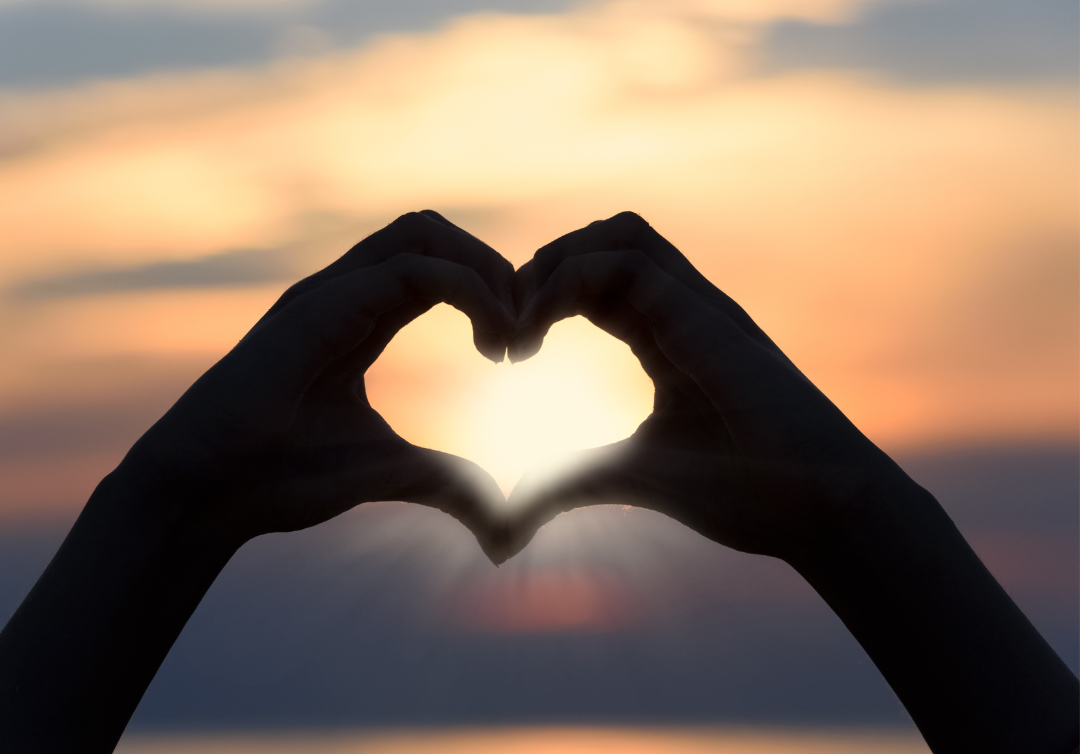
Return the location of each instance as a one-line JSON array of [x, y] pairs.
[[888, 187]]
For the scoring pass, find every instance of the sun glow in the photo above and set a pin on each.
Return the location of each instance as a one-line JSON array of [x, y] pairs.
[[583, 390]]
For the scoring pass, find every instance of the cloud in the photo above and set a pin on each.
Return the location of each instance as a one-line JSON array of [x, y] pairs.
[[74, 430], [191, 6], [50, 45], [855, 219], [228, 269], [991, 41], [53, 44]]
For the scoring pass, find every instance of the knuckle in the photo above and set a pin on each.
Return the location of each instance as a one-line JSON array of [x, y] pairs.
[[410, 227], [294, 291], [546, 259], [410, 220], [628, 223]]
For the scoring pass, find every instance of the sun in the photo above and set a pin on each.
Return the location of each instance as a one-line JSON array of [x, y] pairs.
[[579, 392], [584, 389]]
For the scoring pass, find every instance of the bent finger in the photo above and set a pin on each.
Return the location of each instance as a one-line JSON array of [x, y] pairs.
[[458, 487], [293, 347], [700, 341], [424, 233], [596, 286], [628, 231]]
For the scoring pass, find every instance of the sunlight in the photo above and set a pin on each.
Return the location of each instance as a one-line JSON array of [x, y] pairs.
[[583, 390], [570, 396]]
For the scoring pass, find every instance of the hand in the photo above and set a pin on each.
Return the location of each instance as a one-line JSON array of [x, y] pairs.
[[740, 446], [279, 435]]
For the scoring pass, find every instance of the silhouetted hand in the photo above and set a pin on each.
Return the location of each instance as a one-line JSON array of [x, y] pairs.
[[279, 434], [740, 446]]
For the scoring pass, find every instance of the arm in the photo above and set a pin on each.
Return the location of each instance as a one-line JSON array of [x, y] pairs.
[[745, 450], [969, 667], [277, 436], [80, 651]]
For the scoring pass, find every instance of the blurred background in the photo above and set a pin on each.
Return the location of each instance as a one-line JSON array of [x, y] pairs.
[[889, 187]]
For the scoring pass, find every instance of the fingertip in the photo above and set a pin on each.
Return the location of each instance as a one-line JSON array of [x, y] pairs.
[[433, 215], [497, 556], [491, 347], [493, 539], [520, 541], [524, 348]]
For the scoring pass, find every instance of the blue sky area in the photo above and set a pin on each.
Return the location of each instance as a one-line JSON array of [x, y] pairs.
[[932, 42]]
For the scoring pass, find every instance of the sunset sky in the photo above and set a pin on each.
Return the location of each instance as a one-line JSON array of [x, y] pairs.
[[888, 187], [906, 231]]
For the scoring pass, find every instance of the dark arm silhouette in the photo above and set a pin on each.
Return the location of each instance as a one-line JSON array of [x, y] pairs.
[[277, 436], [742, 448]]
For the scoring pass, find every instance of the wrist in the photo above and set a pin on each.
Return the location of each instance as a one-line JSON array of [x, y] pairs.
[[965, 662], [875, 512], [139, 503]]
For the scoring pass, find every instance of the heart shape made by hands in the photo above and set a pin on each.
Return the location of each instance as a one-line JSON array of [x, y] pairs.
[[584, 389]]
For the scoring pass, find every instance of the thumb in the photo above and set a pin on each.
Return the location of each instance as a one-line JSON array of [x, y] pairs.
[[461, 489], [600, 476]]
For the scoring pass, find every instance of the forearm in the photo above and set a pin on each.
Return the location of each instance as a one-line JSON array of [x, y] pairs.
[[80, 651], [967, 664]]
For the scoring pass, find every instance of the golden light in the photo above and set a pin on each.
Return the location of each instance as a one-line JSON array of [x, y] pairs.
[[583, 390]]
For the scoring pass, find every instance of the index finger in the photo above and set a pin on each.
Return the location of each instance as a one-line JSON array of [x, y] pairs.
[[290, 348], [626, 231], [424, 233], [635, 300]]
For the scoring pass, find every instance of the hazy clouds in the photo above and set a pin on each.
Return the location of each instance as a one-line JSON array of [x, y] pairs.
[[941, 41], [228, 269], [58, 43]]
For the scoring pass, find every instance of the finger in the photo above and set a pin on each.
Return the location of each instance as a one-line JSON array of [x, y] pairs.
[[295, 345], [424, 233], [433, 215], [600, 476], [623, 232], [595, 286], [453, 485], [700, 341], [377, 470], [563, 296]]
